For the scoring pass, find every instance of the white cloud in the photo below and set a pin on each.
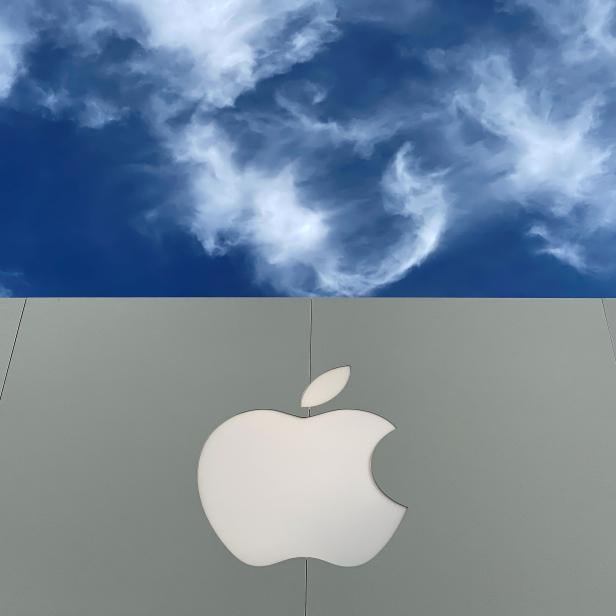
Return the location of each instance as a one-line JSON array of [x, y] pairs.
[[361, 133], [564, 250], [14, 36], [551, 149], [246, 206], [291, 236], [544, 154], [394, 14], [225, 48], [205, 55], [585, 27], [540, 119], [54, 101], [219, 52], [6, 278], [89, 111], [10, 59], [421, 202], [97, 113]]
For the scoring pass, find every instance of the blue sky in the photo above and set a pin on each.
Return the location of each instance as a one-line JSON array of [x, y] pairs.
[[299, 147]]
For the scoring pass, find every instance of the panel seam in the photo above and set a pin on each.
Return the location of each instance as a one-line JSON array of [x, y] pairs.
[[609, 329], [8, 366], [309, 381], [310, 349]]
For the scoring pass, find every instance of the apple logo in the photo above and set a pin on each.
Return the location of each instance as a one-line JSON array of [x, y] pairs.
[[276, 486]]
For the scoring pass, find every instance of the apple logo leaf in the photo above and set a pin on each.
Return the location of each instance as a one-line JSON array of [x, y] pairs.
[[326, 386]]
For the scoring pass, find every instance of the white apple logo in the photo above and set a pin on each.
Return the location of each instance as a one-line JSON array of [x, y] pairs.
[[275, 486]]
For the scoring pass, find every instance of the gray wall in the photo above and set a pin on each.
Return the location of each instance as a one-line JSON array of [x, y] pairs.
[[505, 453]]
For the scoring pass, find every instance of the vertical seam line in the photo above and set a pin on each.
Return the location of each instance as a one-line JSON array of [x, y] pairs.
[[609, 329], [8, 366], [309, 381], [310, 350]]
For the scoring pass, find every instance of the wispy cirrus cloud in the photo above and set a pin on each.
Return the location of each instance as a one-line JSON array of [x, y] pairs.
[[215, 51], [584, 29], [15, 35], [294, 237], [544, 148], [205, 56], [362, 133], [233, 205], [235, 95], [5, 291], [550, 147]]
